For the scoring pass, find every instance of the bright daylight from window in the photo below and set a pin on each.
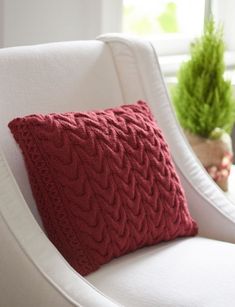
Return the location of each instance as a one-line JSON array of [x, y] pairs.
[[158, 18]]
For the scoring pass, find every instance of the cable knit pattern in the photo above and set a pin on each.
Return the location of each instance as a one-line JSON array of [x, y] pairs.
[[103, 181]]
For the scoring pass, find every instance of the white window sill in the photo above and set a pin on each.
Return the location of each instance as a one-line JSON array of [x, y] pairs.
[[170, 65]]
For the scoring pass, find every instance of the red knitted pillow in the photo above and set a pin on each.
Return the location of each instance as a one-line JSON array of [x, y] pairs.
[[104, 182]]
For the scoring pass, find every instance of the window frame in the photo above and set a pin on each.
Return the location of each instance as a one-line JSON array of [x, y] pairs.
[[173, 50], [176, 44]]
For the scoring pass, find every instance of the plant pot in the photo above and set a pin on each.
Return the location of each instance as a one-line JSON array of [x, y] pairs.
[[215, 155]]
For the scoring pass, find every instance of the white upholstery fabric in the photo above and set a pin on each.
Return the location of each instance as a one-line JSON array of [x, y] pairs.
[[32, 271], [192, 272], [41, 79], [86, 75], [136, 61], [57, 77]]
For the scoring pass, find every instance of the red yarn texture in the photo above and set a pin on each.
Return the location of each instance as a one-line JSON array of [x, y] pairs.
[[104, 182]]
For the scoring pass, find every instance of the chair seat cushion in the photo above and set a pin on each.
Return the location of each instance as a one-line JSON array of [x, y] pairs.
[[192, 272], [103, 181]]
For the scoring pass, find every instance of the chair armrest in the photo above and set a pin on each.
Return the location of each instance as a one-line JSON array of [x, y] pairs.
[[30, 266], [209, 206], [231, 185]]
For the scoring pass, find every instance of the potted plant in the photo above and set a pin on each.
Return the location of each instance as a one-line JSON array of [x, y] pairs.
[[204, 103]]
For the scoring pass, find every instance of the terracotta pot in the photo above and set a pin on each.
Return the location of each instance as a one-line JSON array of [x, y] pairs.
[[215, 155]]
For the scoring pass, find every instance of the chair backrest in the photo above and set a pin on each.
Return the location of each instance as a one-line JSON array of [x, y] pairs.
[[77, 76], [59, 77]]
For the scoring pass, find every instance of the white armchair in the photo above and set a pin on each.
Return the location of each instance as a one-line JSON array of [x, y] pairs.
[[83, 75]]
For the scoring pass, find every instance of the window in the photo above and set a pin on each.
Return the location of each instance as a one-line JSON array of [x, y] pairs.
[[163, 17], [173, 24]]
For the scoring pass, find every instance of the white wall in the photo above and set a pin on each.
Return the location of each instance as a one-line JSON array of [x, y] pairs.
[[32, 21], [1, 23], [27, 22]]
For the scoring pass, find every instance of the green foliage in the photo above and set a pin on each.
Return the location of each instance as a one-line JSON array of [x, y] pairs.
[[203, 99], [168, 19]]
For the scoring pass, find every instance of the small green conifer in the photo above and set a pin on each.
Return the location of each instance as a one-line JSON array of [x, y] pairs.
[[203, 99]]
